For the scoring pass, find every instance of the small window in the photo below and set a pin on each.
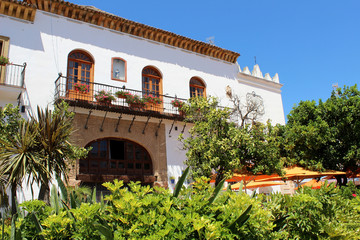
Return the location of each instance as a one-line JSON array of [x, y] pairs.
[[118, 69], [197, 87]]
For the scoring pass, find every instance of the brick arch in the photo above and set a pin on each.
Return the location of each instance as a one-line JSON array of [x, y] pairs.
[[154, 144], [116, 156]]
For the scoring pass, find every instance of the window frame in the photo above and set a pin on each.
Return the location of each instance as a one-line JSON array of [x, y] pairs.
[[203, 87], [153, 77], [92, 64], [112, 69], [4, 51], [71, 93]]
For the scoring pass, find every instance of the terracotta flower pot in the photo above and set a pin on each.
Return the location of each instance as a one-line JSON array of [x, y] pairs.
[[105, 103], [121, 96], [136, 105]]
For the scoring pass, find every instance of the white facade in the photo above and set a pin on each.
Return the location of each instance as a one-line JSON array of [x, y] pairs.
[[46, 43]]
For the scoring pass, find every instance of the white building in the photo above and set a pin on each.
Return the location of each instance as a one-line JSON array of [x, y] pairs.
[[107, 52]]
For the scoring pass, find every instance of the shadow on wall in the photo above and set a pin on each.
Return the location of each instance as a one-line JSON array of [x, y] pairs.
[[21, 34]]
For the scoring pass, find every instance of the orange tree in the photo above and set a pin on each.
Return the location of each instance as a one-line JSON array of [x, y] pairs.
[[215, 144], [326, 134]]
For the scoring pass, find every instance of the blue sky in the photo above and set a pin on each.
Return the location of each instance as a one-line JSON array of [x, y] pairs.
[[310, 44]]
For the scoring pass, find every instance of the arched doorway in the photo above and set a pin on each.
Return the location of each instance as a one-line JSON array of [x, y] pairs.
[[113, 158], [80, 74]]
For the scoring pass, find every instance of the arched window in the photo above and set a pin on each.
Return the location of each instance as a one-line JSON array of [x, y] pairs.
[[197, 87], [151, 82], [116, 157], [80, 70]]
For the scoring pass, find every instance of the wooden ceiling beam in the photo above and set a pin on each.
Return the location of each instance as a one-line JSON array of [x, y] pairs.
[[10, 9], [53, 6], [46, 5], [15, 9]]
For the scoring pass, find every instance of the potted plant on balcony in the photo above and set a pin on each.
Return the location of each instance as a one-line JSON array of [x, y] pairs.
[[121, 94], [104, 97], [81, 87], [178, 104], [152, 102], [152, 99], [4, 60], [135, 101]]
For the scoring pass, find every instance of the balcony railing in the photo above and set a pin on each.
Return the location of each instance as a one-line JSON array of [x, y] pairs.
[[66, 89], [12, 75]]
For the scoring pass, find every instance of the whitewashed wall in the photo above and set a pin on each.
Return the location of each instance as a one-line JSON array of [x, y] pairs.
[[45, 45]]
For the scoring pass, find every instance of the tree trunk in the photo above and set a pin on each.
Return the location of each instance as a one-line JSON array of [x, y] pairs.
[[44, 193], [341, 180], [13, 199]]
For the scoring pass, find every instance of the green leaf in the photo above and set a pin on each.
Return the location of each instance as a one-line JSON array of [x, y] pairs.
[[102, 200], [93, 197], [15, 233], [241, 219], [20, 212], [37, 224], [216, 191], [3, 226], [253, 195], [280, 223], [64, 192], [181, 182], [105, 230], [54, 199], [13, 228], [73, 200], [70, 214]]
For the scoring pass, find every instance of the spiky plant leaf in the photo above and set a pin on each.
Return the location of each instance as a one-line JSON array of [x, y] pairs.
[[93, 195], [241, 220], [73, 200], [216, 191], [253, 195], [105, 230], [15, 234], [37, 224], [63, 189], [54, 200], [70, 214], [181, 182], [3, 227]]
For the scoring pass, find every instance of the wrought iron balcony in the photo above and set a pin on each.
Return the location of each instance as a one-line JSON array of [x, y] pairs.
[[12, 75], [86, 95]]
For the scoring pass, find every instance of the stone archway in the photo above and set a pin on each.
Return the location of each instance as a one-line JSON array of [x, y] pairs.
[[116, 158]]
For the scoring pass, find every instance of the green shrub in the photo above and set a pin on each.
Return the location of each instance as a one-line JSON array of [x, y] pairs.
[[317, 213], [57, 227], [197, 212]]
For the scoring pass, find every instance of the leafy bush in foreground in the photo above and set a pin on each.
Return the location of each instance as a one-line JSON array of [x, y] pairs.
[[197, 212], [326, 213]]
